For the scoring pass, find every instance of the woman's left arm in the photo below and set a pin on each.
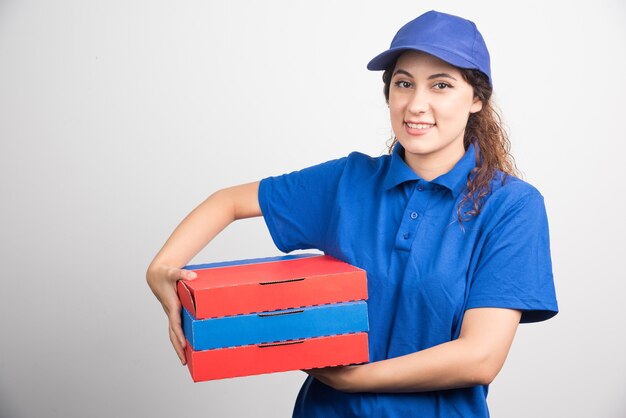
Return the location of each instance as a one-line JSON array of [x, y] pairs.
[[475, 358]]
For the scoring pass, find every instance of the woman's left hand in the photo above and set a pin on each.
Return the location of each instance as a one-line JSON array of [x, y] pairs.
[[343, 378], [475, 358]]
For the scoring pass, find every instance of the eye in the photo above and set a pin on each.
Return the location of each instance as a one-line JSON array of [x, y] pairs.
[[441, 86], [403, 84]]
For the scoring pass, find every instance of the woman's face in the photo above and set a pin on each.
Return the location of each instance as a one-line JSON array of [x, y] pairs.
[[429, 105]]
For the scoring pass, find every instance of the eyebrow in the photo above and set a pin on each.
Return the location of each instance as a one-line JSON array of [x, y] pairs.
[[441, 75], [438, 75], [401, 71]]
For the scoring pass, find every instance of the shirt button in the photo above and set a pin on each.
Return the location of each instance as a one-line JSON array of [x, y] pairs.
[[420, 188], [414, 215], [406, 236]]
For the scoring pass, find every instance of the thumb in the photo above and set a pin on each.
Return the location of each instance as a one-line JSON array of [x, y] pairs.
[[176, 274], [188, 274]]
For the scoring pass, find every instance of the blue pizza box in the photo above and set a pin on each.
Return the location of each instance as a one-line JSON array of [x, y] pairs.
[[274, 326]]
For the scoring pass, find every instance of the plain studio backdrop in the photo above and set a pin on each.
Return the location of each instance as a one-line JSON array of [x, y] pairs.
[[119, 117]]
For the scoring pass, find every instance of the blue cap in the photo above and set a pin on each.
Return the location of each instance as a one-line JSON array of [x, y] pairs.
[[447, 37]]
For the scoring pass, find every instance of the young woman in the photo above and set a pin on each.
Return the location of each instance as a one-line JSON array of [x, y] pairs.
[[455, 247]]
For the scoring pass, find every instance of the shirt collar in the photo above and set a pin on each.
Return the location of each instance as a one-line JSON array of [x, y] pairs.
[[454, 180]]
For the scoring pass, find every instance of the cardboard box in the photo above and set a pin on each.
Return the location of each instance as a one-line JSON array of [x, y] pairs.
[[267, 284], [277, 357], [268, 315], [281, 325]]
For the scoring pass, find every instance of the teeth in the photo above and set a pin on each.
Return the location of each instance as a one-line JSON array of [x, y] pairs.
[[418, 125]]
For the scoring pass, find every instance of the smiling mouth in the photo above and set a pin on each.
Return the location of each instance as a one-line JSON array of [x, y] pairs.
[[420, 125]]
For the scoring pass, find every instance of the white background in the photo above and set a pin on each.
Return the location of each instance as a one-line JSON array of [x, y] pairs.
[[118, 117]]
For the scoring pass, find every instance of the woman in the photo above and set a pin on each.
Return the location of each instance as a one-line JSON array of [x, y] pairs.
[[455, 247]]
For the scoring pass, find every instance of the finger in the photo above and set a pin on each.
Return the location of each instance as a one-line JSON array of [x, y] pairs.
[[317, 373], [175, 274], [320, 377], [177, 336], [188, 274], [180, 350], [175, 324], [180, 335]]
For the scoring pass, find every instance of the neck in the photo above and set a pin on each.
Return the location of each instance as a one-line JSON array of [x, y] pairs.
[[430, 166]]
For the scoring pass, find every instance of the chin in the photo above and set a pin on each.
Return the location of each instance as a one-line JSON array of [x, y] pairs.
[[424, 147], [418, 147]]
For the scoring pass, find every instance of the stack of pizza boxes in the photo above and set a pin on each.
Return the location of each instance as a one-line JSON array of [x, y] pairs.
[[274, 314]]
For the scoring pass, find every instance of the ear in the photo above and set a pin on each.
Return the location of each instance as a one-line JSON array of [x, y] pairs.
[[477, 105]]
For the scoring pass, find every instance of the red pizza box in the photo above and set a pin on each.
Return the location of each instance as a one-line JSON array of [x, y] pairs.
[[282, 356], [259, 285]]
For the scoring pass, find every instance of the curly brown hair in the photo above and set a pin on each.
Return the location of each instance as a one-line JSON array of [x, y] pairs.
[[485, 130]]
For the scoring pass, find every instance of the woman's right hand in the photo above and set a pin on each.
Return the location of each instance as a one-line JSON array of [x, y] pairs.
[[162, 281], [189, 237]]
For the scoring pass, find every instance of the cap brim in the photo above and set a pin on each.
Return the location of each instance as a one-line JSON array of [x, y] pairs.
[[383, 60]]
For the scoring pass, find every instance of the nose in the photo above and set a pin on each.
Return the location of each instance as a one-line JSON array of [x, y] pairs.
[[419, 103]]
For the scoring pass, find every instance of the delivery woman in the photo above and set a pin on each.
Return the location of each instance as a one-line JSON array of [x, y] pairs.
[[455, 247]]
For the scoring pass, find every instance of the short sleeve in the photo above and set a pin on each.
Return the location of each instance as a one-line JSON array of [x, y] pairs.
[[297, 206], [514, 269]]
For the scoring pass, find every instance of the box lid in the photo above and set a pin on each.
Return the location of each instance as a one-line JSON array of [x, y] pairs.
[[267, 284]]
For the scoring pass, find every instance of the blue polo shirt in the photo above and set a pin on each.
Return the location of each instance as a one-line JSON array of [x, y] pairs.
[[424, 269]]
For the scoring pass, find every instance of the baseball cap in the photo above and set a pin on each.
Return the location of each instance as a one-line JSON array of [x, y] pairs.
[[449, 38]]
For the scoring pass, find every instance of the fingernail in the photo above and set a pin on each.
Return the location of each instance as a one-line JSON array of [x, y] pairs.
[[192, 275]]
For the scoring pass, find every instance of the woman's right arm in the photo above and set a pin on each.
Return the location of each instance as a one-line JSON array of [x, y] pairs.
[[189, 237]]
